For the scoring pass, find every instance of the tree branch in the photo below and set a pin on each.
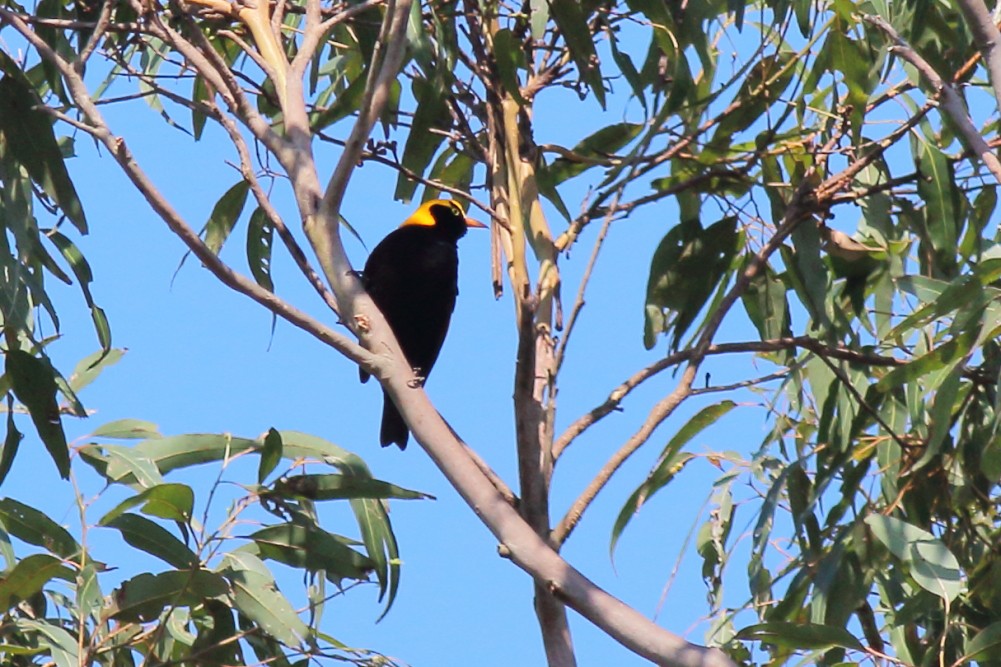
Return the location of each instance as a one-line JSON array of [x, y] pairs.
[[952, 103], [118, 148], [988, 39]]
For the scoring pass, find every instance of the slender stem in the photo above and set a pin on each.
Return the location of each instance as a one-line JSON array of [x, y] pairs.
[[952, 103], [988, 38], [120, 151]]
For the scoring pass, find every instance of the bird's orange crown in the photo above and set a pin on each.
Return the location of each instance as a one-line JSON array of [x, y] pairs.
[[425, 216]]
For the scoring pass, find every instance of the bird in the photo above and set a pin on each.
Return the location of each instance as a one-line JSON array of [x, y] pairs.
[[412, 276]]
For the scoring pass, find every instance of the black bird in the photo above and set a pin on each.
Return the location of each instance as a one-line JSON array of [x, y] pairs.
[[412, 276]]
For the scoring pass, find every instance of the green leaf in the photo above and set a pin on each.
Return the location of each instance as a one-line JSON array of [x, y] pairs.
[[947, 354], [669, 464], [985, 645], [257, 597], [199, 93], [337, 487], [598, 146], [540, 17], [127, 429], [217, 641], [26, 523], [812, 279], [260, 236], [60, 644], [422, 143], [380, 544], [767, 306], [224, 216], [88, 368], [810, 636], [11, 441], [182, 451], [686, 267], [572, 22], [271, 454], [761, 89], [510, 58], [166, 501], [29, 137], [628, 69], [346, 103], [143, 597], [34, 383], [29, 576], [932, 565], [546, 184], [849, 57], [81, 269], [312, 549], [154, 539], [123, 465], [936, 188]]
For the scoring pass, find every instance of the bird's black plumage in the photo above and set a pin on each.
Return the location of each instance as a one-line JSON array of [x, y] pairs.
[[412, 276]]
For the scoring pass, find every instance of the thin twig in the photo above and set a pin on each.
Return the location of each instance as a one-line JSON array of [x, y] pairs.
[[291, 244], [988, 38], [118, 148], [952, 103]]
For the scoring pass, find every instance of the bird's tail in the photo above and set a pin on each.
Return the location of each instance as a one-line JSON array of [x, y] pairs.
[[394, 430]]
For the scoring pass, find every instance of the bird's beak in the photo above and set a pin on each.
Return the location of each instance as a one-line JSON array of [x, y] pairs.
[[475, 223]]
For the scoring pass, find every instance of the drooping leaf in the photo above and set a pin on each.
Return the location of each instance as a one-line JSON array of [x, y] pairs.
[[765, 82], [767, 306], [271, 455], [171, 501], [600, 145], [422, 141], [257, 597], [986, 644], [29, 137], [142, 598], [338, 487], [933, 566], [81, 269], [153, 539], [29, 576], [380, 545], [936, 187], [224, 216], [313, 549], [572, 23], [127, 429], [28, 524], [260, 236], [215, 644], [88, 368], [510, 58], [34, 383], [686, 267], [11, 441], [670, 462], [60, 644], [811, 636]]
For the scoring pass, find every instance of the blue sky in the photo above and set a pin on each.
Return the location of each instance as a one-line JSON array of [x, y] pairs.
[[203, 359]]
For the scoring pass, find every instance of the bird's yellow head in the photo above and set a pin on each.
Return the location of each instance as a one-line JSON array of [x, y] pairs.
[[444, 214]]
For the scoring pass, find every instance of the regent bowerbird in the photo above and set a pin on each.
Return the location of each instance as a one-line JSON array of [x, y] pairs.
[[412, 276]]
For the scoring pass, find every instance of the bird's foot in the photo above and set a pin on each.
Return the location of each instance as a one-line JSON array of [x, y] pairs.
[[418, 380], [362, 323]]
